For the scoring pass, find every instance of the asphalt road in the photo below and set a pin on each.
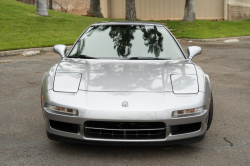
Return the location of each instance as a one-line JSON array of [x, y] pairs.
[[23, 140]]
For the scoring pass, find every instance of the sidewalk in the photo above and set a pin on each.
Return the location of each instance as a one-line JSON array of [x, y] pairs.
[[21, 51], [216, 39]]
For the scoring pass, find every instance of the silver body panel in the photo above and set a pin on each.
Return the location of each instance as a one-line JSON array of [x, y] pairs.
[[127, 75], [106, 106], [153, 88]]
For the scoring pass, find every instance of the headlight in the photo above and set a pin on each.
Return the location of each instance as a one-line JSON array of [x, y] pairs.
[[67, 82], [184, 84], [62, 110], [189, 112]]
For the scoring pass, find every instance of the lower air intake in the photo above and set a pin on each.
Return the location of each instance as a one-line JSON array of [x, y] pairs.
[[124, 130], [187, 128], [67, 127]]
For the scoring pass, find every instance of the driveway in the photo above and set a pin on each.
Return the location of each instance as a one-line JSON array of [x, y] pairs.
[[23, 140]]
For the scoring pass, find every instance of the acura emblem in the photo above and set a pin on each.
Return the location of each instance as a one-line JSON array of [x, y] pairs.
[[125, 104]]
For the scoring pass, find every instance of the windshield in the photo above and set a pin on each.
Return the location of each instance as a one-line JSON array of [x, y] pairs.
[[126, 41]]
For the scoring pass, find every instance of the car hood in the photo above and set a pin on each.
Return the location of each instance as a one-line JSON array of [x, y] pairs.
[[125, 75]]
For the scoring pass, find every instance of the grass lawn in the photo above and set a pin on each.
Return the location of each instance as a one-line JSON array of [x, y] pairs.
[[201, 29], [21, 27]]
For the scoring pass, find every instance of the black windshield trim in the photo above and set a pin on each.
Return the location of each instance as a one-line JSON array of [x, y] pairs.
[[83, 57], [146, 58], [128, 59]]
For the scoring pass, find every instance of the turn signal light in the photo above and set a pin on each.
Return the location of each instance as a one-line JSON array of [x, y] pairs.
[[62, 110], [188, 112]]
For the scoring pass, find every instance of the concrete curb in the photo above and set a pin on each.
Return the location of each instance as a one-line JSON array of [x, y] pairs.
[[21, 51], [215, 39]]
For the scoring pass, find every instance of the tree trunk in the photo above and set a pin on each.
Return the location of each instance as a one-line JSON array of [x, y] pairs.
[[130, 10], [95, 8], [42, 8], [189, 14], [50, 5]]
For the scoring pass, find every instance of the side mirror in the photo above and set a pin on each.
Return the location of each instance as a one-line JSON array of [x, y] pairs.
[[193, 51], [61, 50]]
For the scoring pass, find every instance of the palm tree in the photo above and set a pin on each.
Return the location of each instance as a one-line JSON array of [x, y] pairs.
[[130, 10], [42, 8], [95, 8], [189, 14]]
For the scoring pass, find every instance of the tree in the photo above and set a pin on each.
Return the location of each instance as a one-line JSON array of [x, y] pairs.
[[42, 8], [189, 14], [130, 10], [50, 5], [95, 8]]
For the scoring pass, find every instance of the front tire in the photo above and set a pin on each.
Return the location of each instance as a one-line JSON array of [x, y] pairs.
[[211, 110]]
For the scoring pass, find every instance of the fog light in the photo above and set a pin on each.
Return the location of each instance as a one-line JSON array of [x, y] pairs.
[[62, 110], [189, 112]]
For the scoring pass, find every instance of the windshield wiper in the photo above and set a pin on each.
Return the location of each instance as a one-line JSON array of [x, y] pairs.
[[83, 57], [146, 58]]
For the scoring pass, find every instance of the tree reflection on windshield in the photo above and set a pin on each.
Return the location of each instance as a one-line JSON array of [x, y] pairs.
[[153, 40], [122, 37], [79, 47]]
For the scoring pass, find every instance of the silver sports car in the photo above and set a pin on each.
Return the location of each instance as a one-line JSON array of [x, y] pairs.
[[126, 83]]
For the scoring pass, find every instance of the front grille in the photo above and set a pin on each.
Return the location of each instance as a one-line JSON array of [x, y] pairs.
[[67, 127], [124, 130], [187, 128]]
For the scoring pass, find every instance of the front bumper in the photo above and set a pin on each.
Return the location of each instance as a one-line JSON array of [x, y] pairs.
[[162, 143], [101, 109]]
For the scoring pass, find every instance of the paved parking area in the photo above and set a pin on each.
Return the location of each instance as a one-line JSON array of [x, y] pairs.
[[23, 139]]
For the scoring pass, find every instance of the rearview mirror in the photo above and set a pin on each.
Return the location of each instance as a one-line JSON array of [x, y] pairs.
[[193, 51], [61, 50]]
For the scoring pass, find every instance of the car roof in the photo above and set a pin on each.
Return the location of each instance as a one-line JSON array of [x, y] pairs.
[[127, 23]]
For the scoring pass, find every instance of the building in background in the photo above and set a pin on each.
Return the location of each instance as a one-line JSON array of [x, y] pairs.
[[174, 9], [78, 7], [237, 9], [159, 9]]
